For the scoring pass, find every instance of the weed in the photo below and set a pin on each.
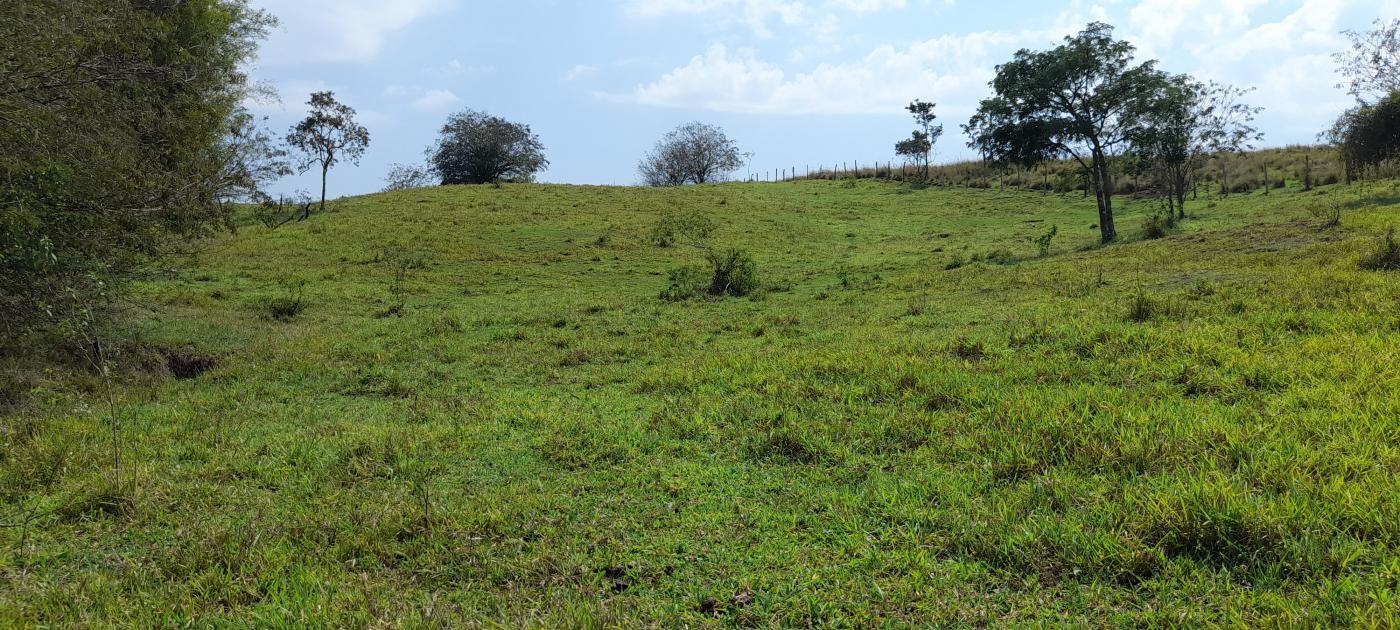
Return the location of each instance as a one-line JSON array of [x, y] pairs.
[[1385, 256], [288, 303], [1042, 242]]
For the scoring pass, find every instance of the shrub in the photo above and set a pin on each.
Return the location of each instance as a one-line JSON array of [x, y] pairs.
[[1157, 226], [1042, 243], [685, 283], [1329, 211], [290, 303], [1386, 256], [1142, 307], [733, 272]]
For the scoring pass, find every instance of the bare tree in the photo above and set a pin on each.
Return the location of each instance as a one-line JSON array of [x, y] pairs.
[[1371, 68], [695, 153], [408, 177], [477, 148], [328, 135]]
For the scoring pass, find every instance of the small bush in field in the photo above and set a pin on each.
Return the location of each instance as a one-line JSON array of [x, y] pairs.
[[733, 272], [1042, 242], [685, 283], [1142, 307], [1157, 226], [1329, 211], [289, 304], [1386, 256]]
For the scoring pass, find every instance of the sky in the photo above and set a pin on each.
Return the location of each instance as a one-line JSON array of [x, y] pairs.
[[796, 83]]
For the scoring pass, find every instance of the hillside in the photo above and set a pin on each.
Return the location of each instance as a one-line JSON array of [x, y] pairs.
[[480, 411]]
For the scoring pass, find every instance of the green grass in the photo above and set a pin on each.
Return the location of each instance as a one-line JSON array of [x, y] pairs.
[[481, 412]]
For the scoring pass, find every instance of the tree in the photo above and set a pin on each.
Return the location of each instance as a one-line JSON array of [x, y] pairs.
[[477, 148], [1083, 99], [120, 127], [1371, 68], [1368, 135], [408, 177], [328, 135], [695, 153], [1187, 124], [919, 147], [254, 160]]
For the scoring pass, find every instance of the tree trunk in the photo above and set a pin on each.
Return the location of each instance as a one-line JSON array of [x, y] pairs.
[[324, 171], [1108, 232]]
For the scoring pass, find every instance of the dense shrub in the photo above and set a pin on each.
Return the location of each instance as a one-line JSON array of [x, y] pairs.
[[1157, 226], [733, 272]]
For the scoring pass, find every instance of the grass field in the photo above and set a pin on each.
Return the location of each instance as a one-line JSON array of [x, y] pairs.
[[480, 412]]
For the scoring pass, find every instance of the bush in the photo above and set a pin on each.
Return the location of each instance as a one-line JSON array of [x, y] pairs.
[[1386, 257], [1042, 243], [1157, 226], [1329, 211], [685, 283], [733, 272], [1142, 307], [289, 304]]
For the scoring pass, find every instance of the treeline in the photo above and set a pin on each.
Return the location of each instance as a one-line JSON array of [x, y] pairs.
[[121, 131]]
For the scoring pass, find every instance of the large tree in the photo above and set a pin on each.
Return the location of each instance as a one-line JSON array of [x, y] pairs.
[[119, 127], [1083, 100], [694, 153], [327, 136], [478, 148]]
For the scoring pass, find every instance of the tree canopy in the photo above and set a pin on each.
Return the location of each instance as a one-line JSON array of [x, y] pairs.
[[327, 136], [694, 153], [1083, 100], [120, 125], [478, 148]]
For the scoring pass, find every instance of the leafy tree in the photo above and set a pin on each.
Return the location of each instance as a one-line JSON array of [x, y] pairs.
[[1368, 135], [1187, 124], [1083, 99], [120, 126], [328, 135], [477, 148], [408, 177], [695, 153], [1371, 68], [919, 147], [255, 160]]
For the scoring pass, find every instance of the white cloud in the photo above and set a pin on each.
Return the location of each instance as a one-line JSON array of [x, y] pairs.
[[952, 68], [338, 30], [435, 100]]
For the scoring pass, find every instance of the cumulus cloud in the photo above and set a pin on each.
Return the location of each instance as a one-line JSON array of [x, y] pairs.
[[951, 68], [435, 100], [338, 30]]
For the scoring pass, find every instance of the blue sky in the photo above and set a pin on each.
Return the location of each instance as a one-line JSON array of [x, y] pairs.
[[795, 82]]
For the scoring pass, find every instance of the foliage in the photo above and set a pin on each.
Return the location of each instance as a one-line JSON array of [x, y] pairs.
[[408, 177], [327, 136], [919, 147], [1369, 135], [478, 148], [1084, 100], [120, 127], [695, 153], [732, 272], [1386, 255], [1371, 68], [1042, 242]]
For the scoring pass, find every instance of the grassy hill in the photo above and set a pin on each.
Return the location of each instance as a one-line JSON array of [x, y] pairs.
[[469, 405]]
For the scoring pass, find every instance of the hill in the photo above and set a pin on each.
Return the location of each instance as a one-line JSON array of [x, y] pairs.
[[469, 405]]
